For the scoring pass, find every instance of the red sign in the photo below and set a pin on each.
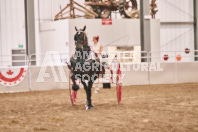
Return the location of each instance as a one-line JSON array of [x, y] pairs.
[[12, 76], [106, 21]]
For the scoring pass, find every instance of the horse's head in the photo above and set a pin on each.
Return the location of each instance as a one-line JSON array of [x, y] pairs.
[[80, 38]]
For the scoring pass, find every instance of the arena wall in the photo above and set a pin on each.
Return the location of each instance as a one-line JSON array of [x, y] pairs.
[[184, 72], [134, 77], [22, 86], [167, 76], [53, 81], [187, 72], [60, 34]]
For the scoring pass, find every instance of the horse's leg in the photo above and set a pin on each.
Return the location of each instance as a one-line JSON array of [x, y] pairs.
[[90, 84], [75, 87], [88, 93], [85, 85]]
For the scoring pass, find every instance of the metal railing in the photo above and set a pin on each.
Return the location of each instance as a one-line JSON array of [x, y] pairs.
[[129, 56], [56, 58], [172, 56], [13, 60], [48, 59]]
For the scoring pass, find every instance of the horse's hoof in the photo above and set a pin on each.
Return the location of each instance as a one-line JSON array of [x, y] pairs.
[[88, 107], [75, 87]]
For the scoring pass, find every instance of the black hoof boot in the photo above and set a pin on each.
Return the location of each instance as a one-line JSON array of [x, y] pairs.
[[75, 87]]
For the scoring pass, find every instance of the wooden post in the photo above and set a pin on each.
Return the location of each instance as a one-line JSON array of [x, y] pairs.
[[61, 11], [71, 12], [71, 8], [86, 9]]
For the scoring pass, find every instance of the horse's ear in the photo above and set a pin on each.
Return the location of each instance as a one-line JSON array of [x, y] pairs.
[[84, 28], [76, 28]]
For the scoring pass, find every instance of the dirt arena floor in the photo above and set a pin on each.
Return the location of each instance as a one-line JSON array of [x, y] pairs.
[[159, 108]]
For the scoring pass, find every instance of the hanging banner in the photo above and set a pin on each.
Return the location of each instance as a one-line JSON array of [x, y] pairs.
[[106, 21], [12, 76]]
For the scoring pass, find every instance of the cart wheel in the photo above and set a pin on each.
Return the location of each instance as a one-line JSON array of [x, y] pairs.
[[128, 8], [73, 96], [72, 93], [119, 85]]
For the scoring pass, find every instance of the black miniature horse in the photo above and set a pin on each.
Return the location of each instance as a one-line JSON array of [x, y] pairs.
[[84, 67]]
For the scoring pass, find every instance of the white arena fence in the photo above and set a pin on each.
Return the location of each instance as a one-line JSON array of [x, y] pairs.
[[55, 74]]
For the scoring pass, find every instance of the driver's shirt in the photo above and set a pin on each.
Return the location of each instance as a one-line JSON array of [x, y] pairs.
[[96, 48]]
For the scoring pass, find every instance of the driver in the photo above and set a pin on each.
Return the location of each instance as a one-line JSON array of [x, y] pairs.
[[97, 48]]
